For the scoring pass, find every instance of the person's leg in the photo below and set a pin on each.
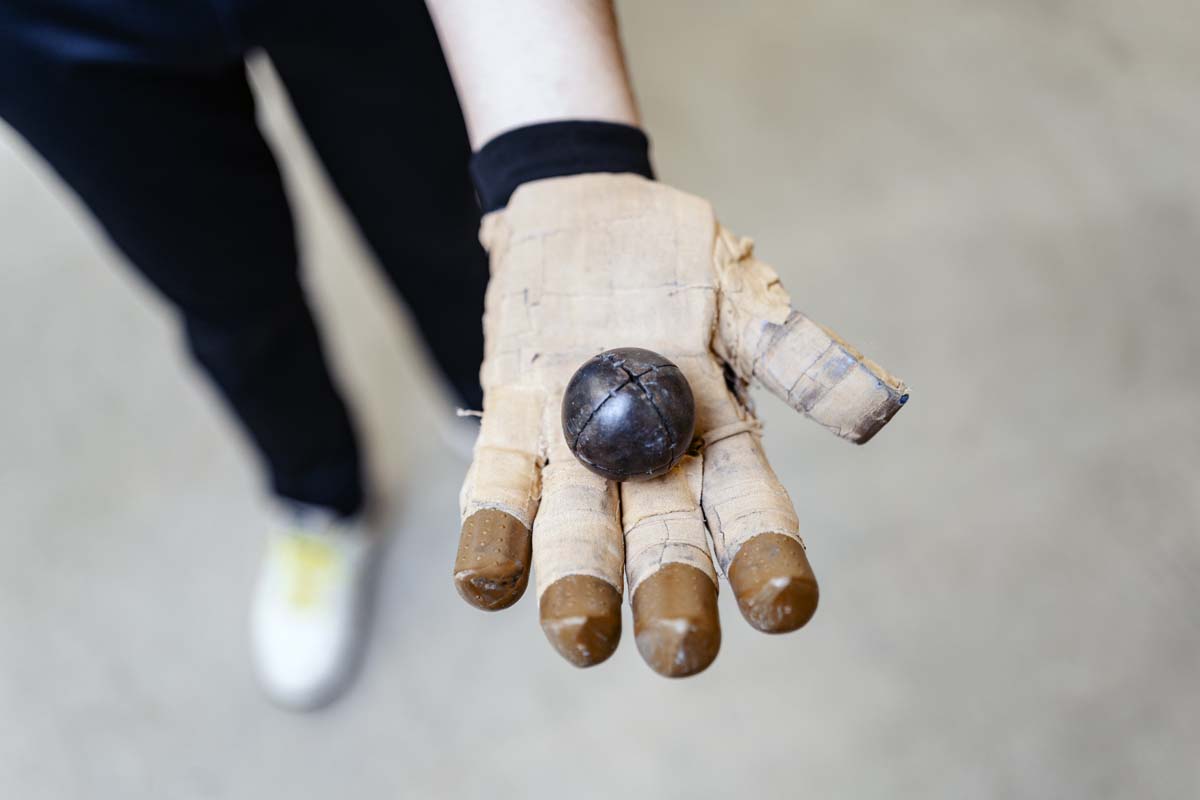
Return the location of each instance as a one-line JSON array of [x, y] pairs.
[[170, 161], [372, 90]]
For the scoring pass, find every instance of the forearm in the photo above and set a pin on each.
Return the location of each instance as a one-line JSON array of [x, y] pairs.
[[521, 62]]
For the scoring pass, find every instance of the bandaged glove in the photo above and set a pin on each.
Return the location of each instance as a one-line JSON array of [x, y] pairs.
[[587, 263]]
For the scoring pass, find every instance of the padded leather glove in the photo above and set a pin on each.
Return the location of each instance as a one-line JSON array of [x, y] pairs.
[[587, 263]]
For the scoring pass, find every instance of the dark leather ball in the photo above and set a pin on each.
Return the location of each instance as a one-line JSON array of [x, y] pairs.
[[628, 414]]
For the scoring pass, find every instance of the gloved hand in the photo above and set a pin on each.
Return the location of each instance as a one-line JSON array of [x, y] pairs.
[[586, 263]]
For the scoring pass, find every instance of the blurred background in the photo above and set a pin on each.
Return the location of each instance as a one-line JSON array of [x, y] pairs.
[[1000, 202]]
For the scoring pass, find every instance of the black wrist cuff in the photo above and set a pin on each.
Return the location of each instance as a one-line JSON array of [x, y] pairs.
[[552, 150]]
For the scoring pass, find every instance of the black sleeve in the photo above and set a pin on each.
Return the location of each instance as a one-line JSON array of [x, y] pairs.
[[555, 149]]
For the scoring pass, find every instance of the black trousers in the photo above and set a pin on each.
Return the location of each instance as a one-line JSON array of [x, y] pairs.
[[144, 109]]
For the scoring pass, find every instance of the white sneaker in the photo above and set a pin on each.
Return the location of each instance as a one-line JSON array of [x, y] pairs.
[[307, 620]]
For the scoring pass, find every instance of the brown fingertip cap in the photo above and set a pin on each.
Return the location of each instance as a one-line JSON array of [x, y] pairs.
[[491, 570], [675, 621], [773, 583], [581, 616]]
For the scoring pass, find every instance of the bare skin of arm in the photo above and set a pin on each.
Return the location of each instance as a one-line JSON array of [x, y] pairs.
[[522, 62]]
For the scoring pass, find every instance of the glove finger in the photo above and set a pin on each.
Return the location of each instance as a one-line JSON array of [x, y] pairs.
[[499, 500], [578, 556], [671, 576], [804, 363], [755, 535]]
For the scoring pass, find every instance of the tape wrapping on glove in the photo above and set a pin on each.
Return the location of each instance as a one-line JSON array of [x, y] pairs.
[[586, 263]]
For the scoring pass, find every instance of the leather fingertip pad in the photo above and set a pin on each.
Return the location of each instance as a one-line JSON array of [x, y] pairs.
[[896, 401], [581, 616], [675, 621], [491, 570], [773, 583]]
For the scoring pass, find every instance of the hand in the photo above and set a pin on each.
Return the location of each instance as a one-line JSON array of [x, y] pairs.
[[587, 263]]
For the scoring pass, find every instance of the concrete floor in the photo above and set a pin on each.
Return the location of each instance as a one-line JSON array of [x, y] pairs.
[[998, 201]]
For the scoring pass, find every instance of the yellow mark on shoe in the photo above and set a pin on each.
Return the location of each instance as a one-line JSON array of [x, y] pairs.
[[309, 567]]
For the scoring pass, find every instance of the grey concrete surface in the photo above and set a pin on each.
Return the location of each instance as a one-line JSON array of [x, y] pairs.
[[998, 201]]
